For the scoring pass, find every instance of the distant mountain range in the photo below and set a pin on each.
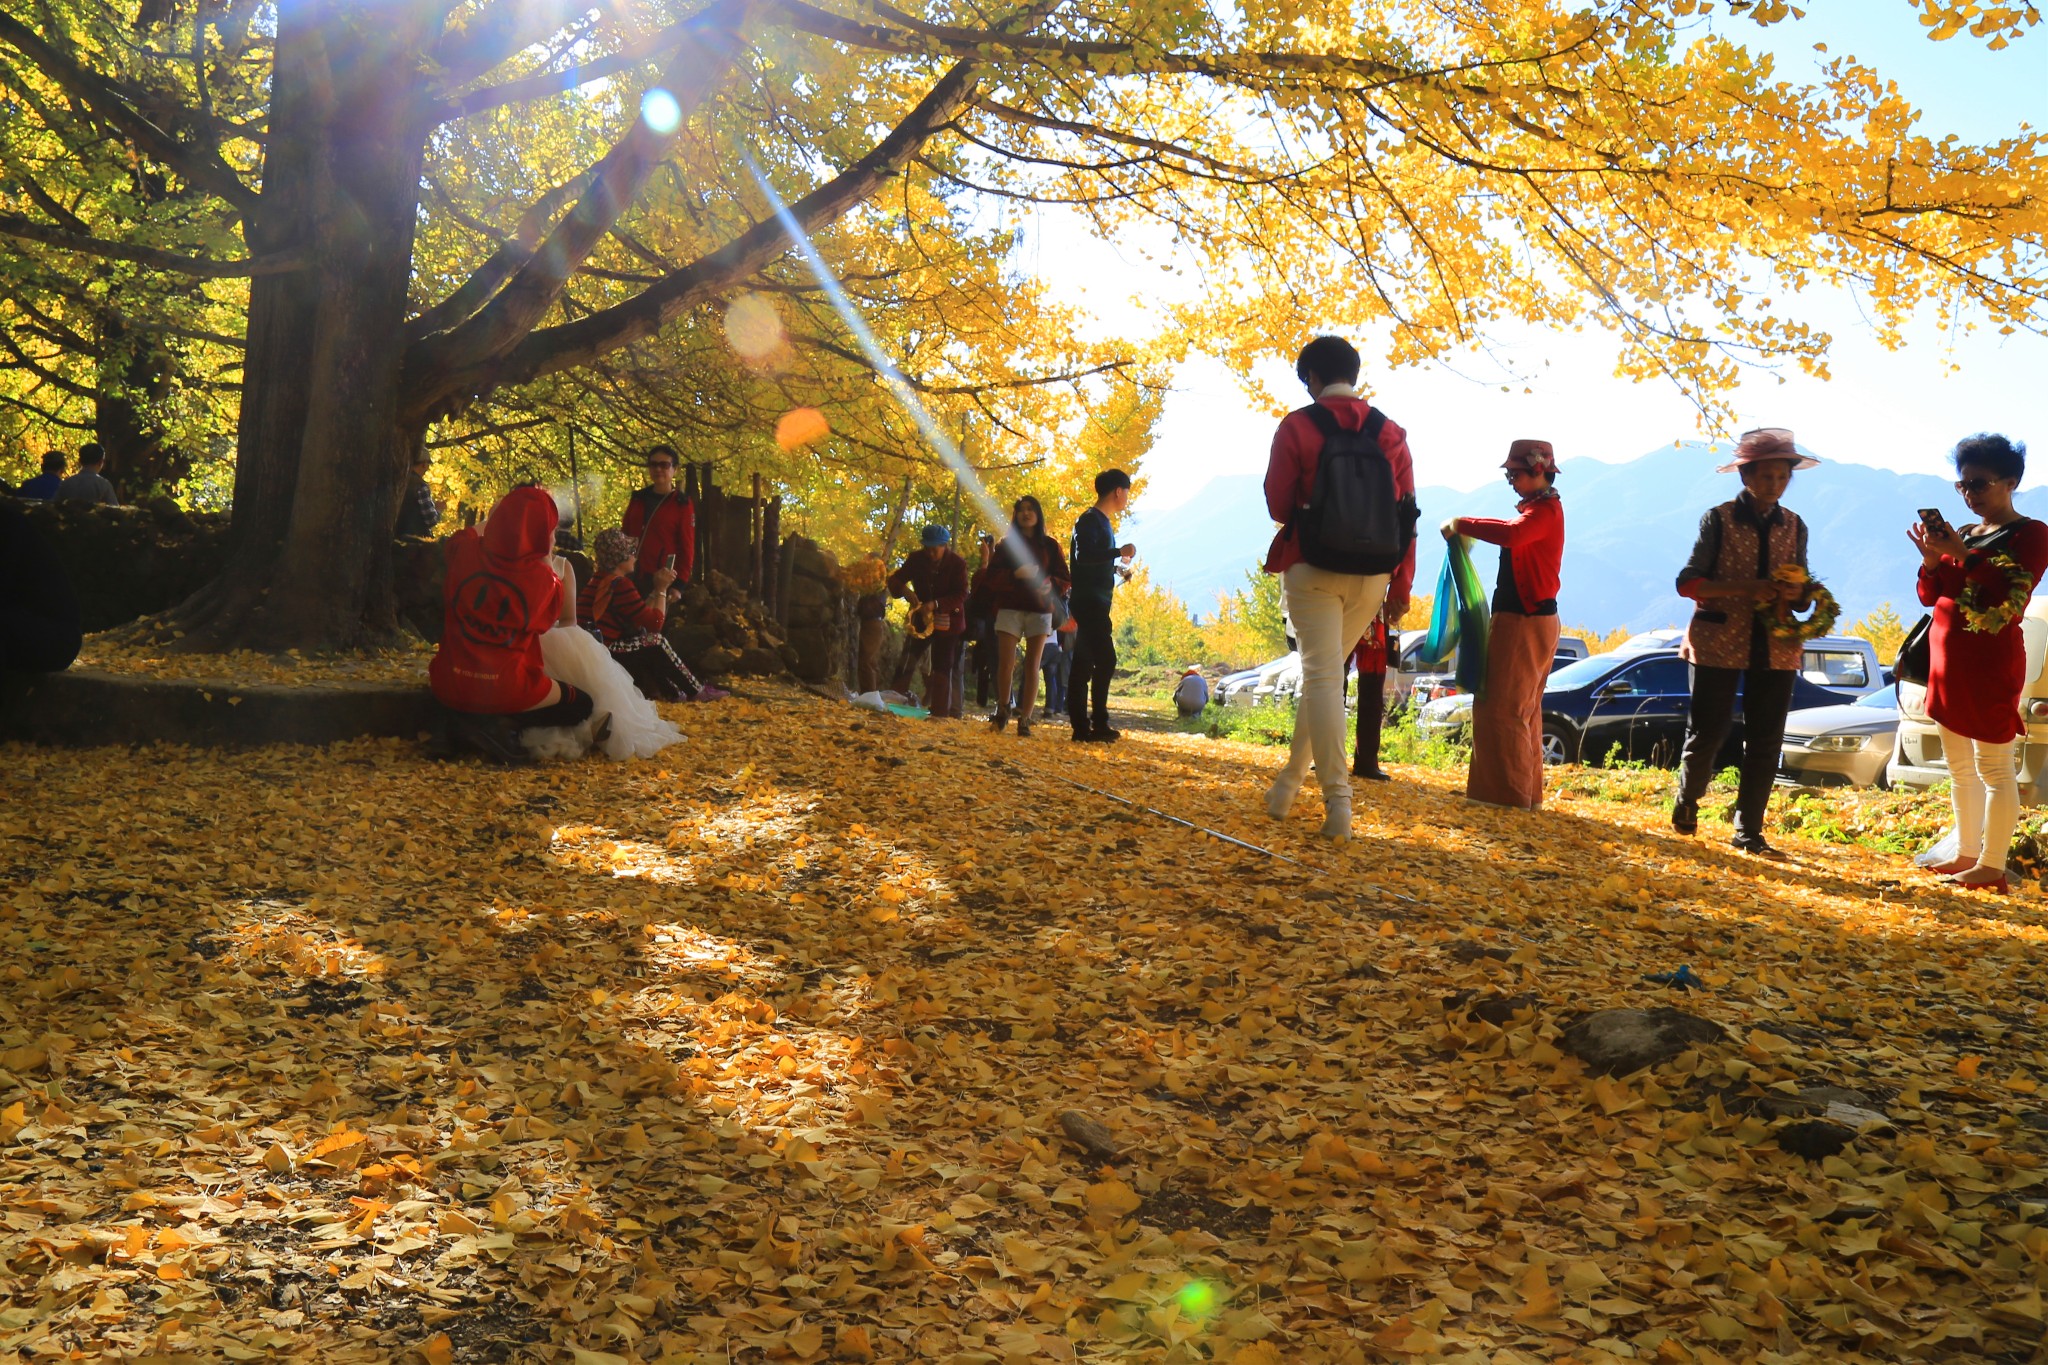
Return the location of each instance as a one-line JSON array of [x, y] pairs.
[[1628, 529]]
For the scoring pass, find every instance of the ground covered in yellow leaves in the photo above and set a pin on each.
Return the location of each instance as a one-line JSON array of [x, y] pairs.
[[777, 1049]]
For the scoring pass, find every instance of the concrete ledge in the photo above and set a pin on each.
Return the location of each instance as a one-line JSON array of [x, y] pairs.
[[85, 707]]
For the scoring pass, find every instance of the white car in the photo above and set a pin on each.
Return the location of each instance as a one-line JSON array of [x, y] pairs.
[[1255, 685], [1917, 762]]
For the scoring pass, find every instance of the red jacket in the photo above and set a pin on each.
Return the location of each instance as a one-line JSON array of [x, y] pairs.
[[1533, 541], [612, 606], [1011, 588], [1291, 477], [672, 531], [500, 596], [941, 582]]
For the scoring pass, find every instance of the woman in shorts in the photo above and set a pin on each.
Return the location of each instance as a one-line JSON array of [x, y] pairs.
[[1026, 576]]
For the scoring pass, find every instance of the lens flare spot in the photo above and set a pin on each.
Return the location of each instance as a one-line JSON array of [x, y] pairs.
[[1197, 1298], [801, 427], [753, 327], [660, 112]]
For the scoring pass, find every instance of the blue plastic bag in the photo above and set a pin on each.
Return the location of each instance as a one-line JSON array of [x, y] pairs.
[[1443, 616]]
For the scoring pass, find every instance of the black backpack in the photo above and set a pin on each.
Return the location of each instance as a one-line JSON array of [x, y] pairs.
[[1354, 523]]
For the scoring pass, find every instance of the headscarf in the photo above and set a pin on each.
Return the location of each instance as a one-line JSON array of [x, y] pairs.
[[612, 548]]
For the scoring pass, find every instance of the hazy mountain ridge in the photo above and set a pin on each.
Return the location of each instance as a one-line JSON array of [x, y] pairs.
[[1628, 529]]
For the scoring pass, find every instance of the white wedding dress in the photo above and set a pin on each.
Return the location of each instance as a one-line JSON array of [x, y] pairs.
[[573, 655]]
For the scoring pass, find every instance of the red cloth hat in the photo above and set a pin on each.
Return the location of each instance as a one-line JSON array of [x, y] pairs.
[[1536, 457]]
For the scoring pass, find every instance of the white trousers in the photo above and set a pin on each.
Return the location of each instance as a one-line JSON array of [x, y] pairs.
[[1986, 792], [1331, 612]]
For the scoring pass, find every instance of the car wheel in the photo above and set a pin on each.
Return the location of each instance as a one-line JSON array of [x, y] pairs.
[[1559, 744]]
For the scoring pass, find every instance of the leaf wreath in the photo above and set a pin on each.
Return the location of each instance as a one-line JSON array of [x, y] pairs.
[[2019, 590]]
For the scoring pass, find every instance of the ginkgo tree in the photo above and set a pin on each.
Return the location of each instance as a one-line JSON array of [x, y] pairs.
[[1456, 164]]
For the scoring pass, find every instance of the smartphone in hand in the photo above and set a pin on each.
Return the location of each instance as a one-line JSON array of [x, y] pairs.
[[668, 561], [1934, 522]]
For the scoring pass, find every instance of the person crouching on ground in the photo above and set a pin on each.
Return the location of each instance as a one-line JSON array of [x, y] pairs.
[[1026, 575], [1330, 589], [933, 577], [1732, 578], [629, 625], [1191, 693], [1976, 583], [500, 596], [1507, 718]]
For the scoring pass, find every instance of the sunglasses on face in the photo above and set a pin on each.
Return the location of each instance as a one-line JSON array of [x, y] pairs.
[[1969, 486], [659, 464]]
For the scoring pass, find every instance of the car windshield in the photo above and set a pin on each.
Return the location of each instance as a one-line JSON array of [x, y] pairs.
[[1881, 700], [1584, 672]]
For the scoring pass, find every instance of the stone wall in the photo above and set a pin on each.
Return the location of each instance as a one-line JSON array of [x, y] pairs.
[[814, 610], [126, 562]]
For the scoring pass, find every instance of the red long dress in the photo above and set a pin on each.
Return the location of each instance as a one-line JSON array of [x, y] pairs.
[[1975, 678]]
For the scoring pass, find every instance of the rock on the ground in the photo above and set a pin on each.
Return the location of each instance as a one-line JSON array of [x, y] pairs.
[[1814, 1139], [1618, 1041]]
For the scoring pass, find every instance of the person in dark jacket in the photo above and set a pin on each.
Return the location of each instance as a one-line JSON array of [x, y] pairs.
[[933, 580], [418, 514], [1732, 579], [1026, 576], [44, 486], [1095, 561]]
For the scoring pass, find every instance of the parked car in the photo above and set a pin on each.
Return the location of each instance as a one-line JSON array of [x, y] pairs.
[[1419, 687], [1837, 746], [1632, 703], [1917, 762], [1256, 684]]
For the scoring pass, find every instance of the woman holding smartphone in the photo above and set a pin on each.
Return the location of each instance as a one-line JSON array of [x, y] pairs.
[[1976, 583]]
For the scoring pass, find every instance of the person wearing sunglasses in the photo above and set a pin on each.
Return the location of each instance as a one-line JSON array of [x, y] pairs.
[[664, 521], [1732, 580], [1975, 583], [1507, 718]]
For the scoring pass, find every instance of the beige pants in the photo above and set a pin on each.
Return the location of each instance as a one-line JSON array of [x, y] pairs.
[[1331, 613], [1507, 723]]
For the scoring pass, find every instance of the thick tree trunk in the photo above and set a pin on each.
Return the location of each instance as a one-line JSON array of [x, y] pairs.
[[320, 457]]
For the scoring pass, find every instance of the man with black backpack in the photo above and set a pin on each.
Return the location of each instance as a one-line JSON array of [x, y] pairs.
[[1340, 482]]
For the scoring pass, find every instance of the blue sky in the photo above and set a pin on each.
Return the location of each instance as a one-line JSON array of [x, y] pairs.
[[1900, 410]]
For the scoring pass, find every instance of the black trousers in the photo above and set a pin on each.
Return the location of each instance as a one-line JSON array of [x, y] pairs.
[[1372, 714], [1766, 695], [1094, 663]]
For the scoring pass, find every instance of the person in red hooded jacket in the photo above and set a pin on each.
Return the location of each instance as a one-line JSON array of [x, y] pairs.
[[501, 595], [1331, 610]]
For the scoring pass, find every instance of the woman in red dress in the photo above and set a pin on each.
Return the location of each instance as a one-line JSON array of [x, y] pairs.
[[1976, 582]]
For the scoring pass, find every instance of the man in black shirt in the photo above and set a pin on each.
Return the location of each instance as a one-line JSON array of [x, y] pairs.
[[1093, 558]]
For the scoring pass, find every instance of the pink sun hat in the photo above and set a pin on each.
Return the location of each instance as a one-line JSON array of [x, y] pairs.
[[1767, 443]]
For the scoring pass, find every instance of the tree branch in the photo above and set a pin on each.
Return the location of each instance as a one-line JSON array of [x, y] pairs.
[[13, 225], [707, 52], [545, 83], [561, 347], [200, 165]]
